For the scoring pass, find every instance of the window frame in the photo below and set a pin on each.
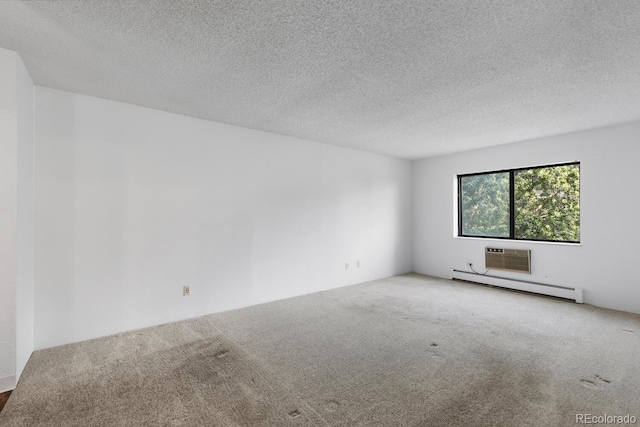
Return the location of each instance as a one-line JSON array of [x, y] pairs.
[[512, 216]]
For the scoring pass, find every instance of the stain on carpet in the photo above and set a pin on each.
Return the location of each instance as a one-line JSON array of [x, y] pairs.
[[596, 382], [205, 382]]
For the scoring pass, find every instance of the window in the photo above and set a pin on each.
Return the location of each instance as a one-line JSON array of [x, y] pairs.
[[538, 203]]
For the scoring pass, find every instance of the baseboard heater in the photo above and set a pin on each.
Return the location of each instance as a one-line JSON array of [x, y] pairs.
[[575, 294]]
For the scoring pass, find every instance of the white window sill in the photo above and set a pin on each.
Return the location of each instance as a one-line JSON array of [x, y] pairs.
[[509, 241]]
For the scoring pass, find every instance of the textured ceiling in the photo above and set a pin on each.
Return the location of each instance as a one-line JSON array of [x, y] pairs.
[[405, 78]]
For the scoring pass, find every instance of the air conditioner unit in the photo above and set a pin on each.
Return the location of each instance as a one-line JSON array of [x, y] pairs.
[[518, 260]]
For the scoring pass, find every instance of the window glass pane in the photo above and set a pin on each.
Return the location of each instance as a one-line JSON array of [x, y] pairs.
[[547, 203], [485, 205]]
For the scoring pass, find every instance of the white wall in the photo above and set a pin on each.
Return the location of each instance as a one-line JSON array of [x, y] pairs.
[[25, 243], [603, 264], [8, 216], [16, 218], [133, 203]]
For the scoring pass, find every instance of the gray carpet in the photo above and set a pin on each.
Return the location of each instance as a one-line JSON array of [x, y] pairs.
[[405, 351]]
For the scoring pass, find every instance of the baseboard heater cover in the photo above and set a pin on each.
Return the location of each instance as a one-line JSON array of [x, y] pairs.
[[575, 294]]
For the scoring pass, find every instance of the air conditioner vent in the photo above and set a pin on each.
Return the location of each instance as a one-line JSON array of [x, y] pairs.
[[518, 260]]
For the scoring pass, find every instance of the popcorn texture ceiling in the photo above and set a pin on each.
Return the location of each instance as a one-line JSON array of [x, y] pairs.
[[409, 79]]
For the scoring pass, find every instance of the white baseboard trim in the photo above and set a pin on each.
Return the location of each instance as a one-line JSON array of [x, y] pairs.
[[575, 294], [7, 383]]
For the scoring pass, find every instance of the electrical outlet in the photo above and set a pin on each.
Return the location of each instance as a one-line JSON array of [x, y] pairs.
[[358, 264], [346, 265], [186, 291]]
